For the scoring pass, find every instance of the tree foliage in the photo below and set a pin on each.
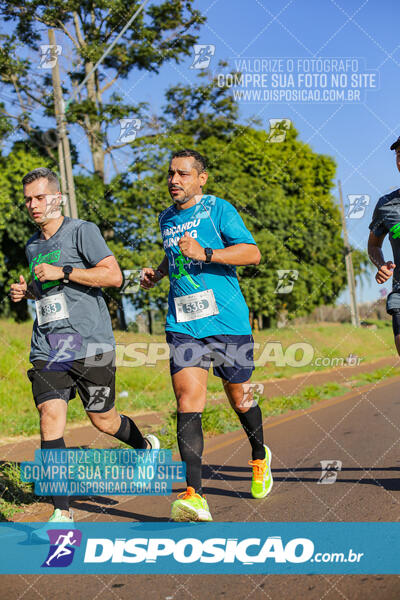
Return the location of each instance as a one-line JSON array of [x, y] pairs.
[[162, 32], [15, 225]]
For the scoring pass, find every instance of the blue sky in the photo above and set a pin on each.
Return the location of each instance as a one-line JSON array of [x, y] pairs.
[[357, 134]]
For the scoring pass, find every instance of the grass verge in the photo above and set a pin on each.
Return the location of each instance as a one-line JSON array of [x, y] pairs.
[[15, 494], [144, 380]]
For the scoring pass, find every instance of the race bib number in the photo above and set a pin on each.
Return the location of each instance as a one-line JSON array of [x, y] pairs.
[[195, 306], [52, 308]]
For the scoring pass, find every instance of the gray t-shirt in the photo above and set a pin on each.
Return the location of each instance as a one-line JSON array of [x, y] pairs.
[[87, 330]]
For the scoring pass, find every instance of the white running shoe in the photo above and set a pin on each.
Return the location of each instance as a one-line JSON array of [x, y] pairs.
[[153, 441], [56, 521]]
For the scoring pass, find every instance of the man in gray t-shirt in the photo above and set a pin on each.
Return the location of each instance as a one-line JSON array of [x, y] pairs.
[[79, 244], [73, 345], [386, 221]]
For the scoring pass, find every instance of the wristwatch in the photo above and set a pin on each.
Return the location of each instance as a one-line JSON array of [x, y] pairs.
[[209, 253], [67, 270]]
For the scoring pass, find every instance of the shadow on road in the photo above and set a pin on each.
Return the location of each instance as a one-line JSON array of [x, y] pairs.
[[223, 473], [114, 512]]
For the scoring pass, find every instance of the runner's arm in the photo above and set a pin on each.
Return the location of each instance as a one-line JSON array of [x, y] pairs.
[[375, 249], [30, 294], [152, 276], [106, 273], [237, 254], [385, 268], [21, 291], [163, 266]]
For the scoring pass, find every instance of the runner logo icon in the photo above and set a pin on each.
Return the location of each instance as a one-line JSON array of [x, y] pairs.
[[128, 129], [357, 205], [286, 280], [62, 547], [49, 55], [98, 397], [62, 353], [202, 56], [330, 469]]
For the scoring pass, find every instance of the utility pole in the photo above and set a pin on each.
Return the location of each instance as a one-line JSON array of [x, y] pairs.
[[355, 319], [64, 153], [61, 164]]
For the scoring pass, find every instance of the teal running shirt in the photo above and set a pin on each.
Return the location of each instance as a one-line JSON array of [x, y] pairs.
[[215, 224]]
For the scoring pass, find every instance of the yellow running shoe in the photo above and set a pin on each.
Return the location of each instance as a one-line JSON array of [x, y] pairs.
[[190, 507], [262, 481]]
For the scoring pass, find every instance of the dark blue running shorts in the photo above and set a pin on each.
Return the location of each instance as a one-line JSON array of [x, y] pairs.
[[231, 355]]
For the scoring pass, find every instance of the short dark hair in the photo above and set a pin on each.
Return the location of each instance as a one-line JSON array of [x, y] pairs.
[[200, 162], [41, 172]]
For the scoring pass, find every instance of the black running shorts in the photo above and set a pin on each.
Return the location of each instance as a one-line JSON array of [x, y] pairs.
[[93, 377]]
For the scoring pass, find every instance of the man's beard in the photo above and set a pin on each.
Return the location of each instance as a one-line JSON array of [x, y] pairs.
[[182, 201]]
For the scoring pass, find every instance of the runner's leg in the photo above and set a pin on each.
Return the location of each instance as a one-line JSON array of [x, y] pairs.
[[249, 414], [190, 387], [241, 398], [53, 417], [396, 330], [119, 426], [95, 380]]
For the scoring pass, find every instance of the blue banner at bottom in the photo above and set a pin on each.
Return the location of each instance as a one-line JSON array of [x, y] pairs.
[[207, 548]]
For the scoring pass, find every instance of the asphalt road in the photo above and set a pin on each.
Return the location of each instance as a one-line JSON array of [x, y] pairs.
[[361, 430]]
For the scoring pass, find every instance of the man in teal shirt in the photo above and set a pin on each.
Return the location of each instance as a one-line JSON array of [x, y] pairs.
[[204, 240]]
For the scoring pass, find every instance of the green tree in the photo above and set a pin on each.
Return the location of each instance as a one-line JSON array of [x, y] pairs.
[[15, 225], [162, 32]]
